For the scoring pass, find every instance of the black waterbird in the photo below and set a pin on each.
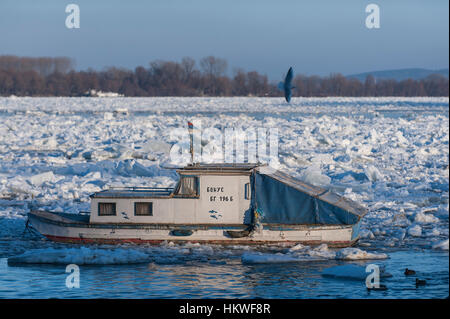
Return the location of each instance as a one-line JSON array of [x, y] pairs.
[[409, 272]]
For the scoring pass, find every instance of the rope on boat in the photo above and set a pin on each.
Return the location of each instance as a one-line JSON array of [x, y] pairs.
[[30, 229]]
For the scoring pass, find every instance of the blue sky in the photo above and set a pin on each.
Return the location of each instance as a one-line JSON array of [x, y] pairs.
[[315, 37]]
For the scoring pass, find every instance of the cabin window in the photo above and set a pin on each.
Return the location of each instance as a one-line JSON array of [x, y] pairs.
[[188, 186], [143, 209], [106, 209], [247, 191]]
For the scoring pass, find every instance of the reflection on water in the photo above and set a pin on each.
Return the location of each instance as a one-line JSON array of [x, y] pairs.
[[226, 278]]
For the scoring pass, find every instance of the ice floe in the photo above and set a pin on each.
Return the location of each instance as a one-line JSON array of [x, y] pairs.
[[307, 254], [358, 254], [415, 231], [441, 245], [80, 256], [425, 218]]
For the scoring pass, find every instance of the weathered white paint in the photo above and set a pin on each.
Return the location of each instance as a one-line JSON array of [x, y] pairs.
[[317, 234], [221, 201], [220, 206]]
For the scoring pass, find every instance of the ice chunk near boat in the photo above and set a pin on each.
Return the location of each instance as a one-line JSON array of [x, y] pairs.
[[415, 231], [80, 256], [313, 175], [358, 254], [322, 252], [423, 218], [132, 167], [373, 174], [443, 245], [298, 247], [39, 179], [365, 233], [155, 146], [303, 254], [18, 185]]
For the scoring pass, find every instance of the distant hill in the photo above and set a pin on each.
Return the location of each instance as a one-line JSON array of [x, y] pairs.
[[400, 74]]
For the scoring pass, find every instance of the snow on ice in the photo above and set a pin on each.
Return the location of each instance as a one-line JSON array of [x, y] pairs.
[[306, 253]]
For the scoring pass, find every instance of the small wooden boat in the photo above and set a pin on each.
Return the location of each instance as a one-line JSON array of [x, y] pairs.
[[212, 203]]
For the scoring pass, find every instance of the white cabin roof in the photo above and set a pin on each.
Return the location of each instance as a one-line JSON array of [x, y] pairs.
[[221, 168]]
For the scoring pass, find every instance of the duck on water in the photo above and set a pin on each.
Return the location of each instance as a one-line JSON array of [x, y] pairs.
[[212, 203]]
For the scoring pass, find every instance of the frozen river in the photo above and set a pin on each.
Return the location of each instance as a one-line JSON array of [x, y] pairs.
[[389, 154]]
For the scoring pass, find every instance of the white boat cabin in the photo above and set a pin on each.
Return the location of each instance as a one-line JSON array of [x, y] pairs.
[[205, 194]]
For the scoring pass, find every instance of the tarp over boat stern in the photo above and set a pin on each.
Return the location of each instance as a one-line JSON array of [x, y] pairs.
[[281, 199]]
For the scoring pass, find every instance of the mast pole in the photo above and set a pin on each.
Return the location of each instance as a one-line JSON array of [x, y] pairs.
[[191, 135]]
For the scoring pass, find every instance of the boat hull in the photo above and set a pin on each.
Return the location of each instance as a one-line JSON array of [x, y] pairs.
[[62, 229]]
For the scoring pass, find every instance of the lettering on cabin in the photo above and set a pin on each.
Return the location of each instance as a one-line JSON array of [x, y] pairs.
[[220, 198], [218, 189]]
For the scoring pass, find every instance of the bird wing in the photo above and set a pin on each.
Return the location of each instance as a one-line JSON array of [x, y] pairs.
[[287, 94], [289, 77]]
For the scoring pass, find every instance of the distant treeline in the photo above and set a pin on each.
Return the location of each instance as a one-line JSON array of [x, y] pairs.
[[25, 76]]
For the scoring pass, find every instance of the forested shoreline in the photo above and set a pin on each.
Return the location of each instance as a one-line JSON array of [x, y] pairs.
[[46, 76]]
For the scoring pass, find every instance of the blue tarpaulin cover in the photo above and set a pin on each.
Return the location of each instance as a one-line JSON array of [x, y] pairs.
[[280, 199]]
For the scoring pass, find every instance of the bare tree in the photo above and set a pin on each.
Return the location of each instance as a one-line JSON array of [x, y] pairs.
[[188, 66], [214, 67]]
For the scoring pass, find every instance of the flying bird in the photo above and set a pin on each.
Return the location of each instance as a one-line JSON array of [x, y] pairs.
[[286, 86]]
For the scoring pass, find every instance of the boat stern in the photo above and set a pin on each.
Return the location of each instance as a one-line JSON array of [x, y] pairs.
[[355, 231]]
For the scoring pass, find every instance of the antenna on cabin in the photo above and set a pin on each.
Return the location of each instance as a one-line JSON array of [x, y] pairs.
[[191, 135]]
